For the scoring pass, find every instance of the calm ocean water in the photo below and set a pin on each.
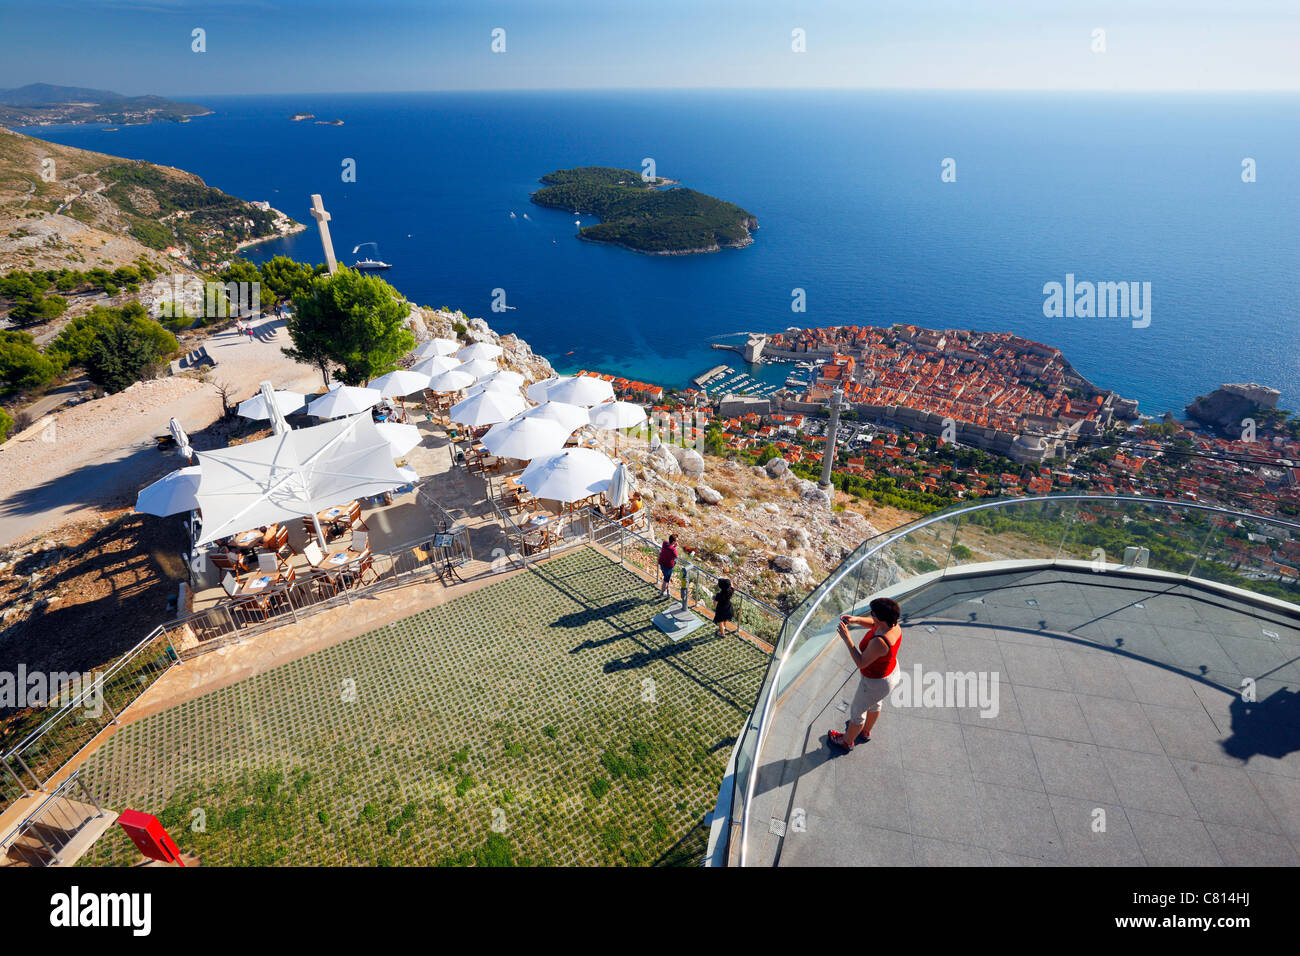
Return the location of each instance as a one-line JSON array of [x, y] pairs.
[[846, 187]]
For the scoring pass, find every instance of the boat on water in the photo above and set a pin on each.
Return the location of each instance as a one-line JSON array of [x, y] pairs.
[[368, 264]]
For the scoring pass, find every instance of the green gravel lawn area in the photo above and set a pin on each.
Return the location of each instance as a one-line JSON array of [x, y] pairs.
[[541, 720]]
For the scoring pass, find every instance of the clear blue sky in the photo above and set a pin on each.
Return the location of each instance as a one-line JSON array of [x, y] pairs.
[[271, 46]]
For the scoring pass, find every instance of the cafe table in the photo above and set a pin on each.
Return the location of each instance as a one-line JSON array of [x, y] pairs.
[[258, 583]]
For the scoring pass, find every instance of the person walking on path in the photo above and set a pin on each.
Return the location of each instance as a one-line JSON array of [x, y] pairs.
[[876, 658], [722, 609], [667, 561]]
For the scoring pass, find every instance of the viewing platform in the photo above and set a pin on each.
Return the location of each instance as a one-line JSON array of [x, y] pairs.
[[1071, 712]]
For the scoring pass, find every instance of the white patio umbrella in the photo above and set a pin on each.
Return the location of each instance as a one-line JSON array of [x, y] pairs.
[[171, 494], [431, 347], [487, 408], [435, 365], [479, 367], [525, 438], [401, 437], [506, 376], [581, 390], [345, 400], [400, 383], [614, 415], [479, 350], [611, 416], [452, 380], [182, 440], [620, 486], [538, 390], [492, 385], [296, 474], [572, 417], [257, 408], [568, 475]]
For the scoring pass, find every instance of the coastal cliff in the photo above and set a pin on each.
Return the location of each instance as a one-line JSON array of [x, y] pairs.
[[1227, 406]]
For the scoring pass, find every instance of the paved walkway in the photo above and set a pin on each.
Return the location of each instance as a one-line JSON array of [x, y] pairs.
[[1117, 739]]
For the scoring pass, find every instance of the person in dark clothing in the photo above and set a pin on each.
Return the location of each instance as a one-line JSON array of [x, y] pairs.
[[667, 561], [722, 609]]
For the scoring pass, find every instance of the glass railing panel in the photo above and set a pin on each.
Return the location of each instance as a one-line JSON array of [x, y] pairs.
[[1116, 536]]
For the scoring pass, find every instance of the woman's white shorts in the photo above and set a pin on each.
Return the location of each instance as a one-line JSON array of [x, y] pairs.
[[871, 694]]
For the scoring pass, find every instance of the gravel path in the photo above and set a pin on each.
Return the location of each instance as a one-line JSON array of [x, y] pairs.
[[102, 452]]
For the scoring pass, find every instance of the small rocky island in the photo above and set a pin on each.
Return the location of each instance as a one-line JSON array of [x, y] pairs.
[[656, 216]]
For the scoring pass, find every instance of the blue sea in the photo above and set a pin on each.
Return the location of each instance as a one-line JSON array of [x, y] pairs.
[[847, 189]]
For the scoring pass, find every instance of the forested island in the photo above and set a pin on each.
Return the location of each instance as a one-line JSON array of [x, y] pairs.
[[653, 216]]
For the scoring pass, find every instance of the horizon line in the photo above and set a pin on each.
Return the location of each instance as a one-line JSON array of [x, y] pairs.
[[764, 89], [703, 89]]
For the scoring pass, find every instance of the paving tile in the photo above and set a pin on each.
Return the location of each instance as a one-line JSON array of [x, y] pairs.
[[1095, 834], [931, 852], [964, 650], [1131, 641], [1241, 846], [1095, 672], [933, 746], [1254, 656], [874, 795], [1033, 666], [1195, 651], [998, 858], [1120, 723], [1159, 685], [1005, 715], [1281, 794], [1072, 769], [845, 841], [1021, 822], [1147, 782], [1030, 633], [1188, 733], [1173, 841], [1225, 795], [944, 807], [1052, 713], [1002, 757]]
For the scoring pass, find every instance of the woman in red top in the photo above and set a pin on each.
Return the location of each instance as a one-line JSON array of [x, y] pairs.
[[876, 658]]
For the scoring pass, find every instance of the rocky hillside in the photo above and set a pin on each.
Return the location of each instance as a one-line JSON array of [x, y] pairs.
[[71, 208], [773, 533]]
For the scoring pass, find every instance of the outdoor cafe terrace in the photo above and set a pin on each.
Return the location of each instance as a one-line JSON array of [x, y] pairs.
[[459, 510]]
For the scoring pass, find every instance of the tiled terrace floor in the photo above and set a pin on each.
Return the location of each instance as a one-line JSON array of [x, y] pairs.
[[539, 718], [1118, 738]]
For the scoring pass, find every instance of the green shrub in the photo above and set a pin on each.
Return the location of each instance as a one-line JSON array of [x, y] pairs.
[[22, 365]]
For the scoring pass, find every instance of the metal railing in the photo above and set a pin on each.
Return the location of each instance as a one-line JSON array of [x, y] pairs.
[[35, 760], [1109, 534], [756, 618], [39, 840], [318, 590], [31, 763]]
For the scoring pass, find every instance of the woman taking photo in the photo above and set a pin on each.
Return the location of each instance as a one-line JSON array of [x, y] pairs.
[[876, 658]]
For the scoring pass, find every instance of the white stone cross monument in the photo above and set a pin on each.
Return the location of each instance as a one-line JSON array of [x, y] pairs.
[[322, 221]]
